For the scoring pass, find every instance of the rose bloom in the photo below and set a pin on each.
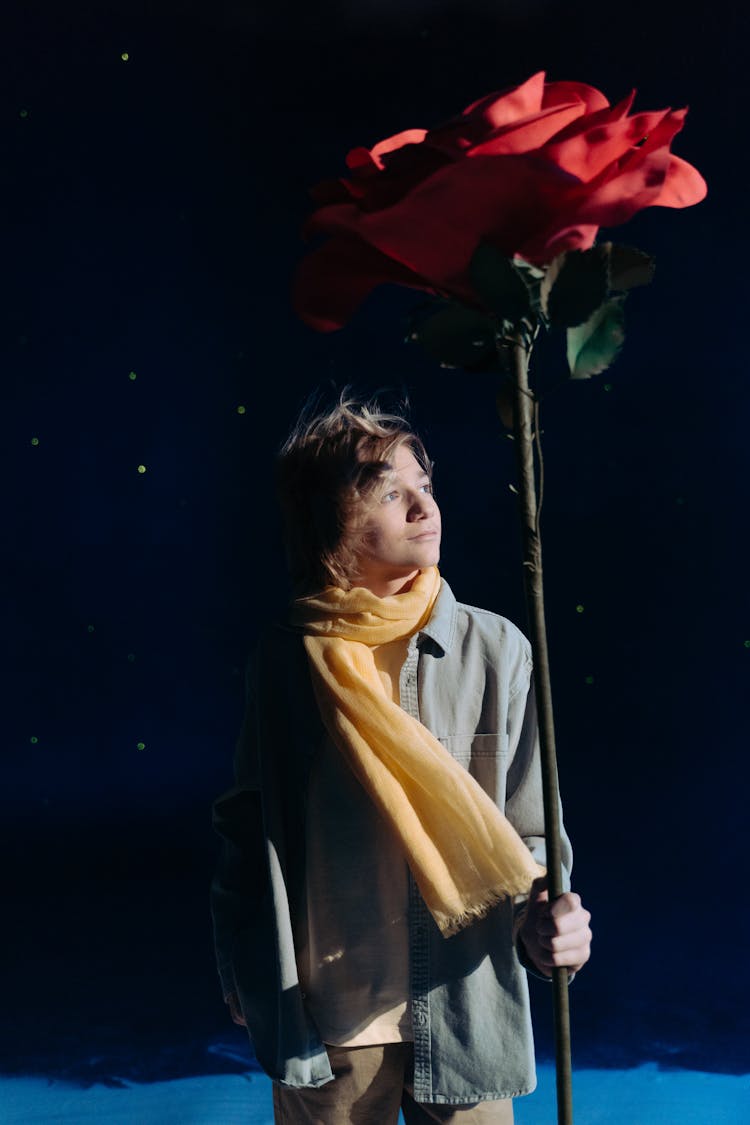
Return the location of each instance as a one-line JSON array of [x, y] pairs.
[[533, 171]]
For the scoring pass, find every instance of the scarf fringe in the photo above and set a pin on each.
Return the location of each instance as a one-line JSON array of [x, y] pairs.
[[450, 925]]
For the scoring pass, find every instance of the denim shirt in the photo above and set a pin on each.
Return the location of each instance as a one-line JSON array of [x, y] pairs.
[[467, 677]]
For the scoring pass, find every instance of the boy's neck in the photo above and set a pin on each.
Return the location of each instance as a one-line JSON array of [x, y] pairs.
[[387, 587]]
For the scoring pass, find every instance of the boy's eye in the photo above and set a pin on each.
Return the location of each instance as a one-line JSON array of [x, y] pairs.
[[390, 496]]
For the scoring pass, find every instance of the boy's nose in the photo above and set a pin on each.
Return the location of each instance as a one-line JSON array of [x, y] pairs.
[[423, 504]]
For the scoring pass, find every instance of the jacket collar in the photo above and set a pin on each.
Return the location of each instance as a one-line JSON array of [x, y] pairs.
[[441, 628]]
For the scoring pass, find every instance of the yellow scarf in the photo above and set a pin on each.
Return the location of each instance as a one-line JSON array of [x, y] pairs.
[[464, 855]]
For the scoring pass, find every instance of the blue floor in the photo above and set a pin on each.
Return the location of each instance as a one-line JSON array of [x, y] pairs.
[[646, 1095]]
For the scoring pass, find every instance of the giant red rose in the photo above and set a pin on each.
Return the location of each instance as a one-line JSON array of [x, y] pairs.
[[533, 171]]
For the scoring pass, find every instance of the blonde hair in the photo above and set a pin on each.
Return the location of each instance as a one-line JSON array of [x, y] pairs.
[[327, 469]]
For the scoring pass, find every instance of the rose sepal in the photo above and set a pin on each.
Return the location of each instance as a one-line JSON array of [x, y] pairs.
[[500, 286], [575, 283], [454, 334]]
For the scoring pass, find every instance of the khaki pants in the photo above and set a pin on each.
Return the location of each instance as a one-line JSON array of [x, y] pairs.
[[371, 1084]]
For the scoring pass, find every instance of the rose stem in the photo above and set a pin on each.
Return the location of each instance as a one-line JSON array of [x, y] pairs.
[[532, 571]]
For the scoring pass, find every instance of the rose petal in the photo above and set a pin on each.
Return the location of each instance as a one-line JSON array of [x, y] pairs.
[[639, 177], [333, 280], [506, 106], [665, 131], [600, 117], [683, 185], [532, 132], [587, 154], [355, 158], [557, 92], [479, 120]]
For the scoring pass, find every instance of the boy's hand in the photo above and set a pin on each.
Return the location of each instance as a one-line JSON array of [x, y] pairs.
[[557, 935], [235, 1010]]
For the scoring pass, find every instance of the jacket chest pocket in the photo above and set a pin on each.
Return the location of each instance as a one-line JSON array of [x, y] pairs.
[[485, 756]]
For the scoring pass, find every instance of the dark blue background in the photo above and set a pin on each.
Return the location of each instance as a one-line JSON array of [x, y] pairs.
[[151, 225]]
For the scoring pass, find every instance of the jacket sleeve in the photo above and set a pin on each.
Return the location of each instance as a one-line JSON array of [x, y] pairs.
[[237, 817]]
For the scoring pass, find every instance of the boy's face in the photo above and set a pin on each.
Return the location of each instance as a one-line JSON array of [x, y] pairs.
[[400, 529]]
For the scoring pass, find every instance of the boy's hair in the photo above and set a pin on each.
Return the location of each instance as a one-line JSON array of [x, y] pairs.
[[326, 469]]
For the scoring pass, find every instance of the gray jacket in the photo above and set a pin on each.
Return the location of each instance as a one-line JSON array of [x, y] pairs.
[[467, 677]]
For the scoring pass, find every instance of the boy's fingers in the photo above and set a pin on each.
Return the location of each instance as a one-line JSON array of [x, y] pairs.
[[567, 903], [551, 924]]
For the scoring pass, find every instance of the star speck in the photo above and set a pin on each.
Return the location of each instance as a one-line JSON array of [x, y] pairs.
[[35, 441], [141, 468]]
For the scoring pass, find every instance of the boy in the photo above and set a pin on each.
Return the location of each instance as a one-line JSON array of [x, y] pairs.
[[379, 892]]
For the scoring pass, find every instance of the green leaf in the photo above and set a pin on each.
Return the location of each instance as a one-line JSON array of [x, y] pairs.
[[574, 285], [455, 335], [628, 267], [593, 346], [498, 285]]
